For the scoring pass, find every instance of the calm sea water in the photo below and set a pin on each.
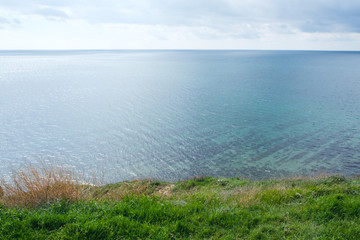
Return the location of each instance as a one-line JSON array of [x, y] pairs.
[[176, 114]]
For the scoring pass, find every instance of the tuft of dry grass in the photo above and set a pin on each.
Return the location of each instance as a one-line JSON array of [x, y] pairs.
[[118, 191], [33, 186], [247, 196]]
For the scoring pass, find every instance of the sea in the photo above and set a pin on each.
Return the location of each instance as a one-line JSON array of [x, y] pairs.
[[177, 114]]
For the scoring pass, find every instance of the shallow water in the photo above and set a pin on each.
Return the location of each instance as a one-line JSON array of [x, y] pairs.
[[177, 114]]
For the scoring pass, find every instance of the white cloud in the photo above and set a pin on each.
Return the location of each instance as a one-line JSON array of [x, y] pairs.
[[255, 24]]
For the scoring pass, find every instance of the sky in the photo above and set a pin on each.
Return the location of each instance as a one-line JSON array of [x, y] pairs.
[[180, 24]]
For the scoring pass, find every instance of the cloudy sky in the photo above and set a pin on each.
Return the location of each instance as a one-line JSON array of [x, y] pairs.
[[180, 24]]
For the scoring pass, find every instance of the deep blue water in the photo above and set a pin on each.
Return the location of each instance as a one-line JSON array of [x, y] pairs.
[[177, 114]]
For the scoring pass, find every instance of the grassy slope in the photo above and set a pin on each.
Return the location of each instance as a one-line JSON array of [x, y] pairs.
[[203, 208]]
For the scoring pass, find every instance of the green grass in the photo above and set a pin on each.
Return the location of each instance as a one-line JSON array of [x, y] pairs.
[[201, 208]]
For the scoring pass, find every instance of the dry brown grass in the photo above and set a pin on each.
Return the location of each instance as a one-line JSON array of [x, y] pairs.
[[118, 191], [247, 196], [33, 186]]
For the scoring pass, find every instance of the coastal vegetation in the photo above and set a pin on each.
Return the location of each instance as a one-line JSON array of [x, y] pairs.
[[52, 203]]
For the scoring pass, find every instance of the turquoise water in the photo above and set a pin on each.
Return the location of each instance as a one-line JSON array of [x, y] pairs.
[[176, 114]]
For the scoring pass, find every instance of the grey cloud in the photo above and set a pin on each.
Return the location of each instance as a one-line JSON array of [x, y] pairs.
[[16, 21], [4, 20], [46, 8], [50, 13], [321, 15], [5, 23]]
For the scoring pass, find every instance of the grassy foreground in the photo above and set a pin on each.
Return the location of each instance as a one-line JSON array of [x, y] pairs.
[[201, 208]]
